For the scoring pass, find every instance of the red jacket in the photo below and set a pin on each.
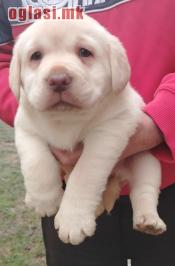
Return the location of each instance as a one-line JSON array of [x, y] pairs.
[[147, 30]]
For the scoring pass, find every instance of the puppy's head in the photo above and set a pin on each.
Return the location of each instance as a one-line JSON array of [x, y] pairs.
[[67, 64]]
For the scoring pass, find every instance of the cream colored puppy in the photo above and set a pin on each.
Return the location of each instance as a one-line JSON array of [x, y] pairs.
[[72, 80]]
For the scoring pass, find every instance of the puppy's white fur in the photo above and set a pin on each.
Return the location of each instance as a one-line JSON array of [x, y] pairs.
[[103, 114]]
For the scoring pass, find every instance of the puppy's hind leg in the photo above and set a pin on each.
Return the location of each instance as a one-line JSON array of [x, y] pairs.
[[116, 181], [110, 195], [145, 187]]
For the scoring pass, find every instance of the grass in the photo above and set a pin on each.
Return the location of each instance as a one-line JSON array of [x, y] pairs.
[[20, 231]]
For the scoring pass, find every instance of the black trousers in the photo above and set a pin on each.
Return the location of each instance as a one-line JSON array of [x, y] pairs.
[[115, 241]]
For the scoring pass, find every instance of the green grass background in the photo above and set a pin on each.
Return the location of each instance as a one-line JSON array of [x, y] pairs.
[[20, 231]]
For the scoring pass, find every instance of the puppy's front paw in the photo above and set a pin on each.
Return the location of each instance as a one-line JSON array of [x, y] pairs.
[[44, 205], [74, 225], [149, 223]]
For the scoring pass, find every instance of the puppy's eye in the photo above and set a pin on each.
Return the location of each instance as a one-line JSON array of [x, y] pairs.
[[84, 53], [36, 56]]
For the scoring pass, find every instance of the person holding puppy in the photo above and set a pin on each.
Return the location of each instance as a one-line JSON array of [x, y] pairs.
[[115, 241]]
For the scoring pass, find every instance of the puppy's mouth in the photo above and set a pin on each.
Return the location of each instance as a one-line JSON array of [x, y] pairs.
[[65, 102], [61, 105]]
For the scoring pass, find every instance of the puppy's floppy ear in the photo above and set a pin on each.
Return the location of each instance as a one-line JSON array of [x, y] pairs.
[[120, 68], [15, 72]]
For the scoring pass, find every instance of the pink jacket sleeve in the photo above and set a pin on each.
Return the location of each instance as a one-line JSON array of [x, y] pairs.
[[162, 110], [8, 102]]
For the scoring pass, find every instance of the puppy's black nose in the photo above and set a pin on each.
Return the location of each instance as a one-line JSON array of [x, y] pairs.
[[59, 82]]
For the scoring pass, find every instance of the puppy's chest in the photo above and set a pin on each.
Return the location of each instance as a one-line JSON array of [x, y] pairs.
[[64, 136]]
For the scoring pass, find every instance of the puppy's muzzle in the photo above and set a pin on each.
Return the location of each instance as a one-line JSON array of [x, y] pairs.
[[59, 82]]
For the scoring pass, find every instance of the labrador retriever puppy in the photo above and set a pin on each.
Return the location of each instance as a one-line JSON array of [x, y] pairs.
[[72, 81]]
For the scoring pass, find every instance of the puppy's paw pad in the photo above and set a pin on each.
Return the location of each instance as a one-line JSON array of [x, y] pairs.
[[149, 223], [74, 228], [45, 206]]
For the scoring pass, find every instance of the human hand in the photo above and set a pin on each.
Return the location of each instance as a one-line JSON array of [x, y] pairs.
[[146, 137]]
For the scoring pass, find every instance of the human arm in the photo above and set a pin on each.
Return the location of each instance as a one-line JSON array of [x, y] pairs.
[[8, 102], [162, 111]]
